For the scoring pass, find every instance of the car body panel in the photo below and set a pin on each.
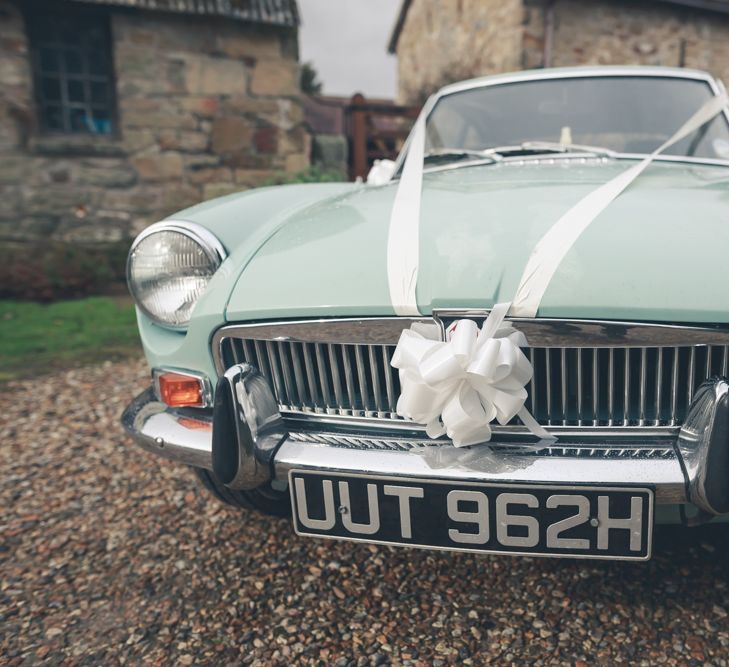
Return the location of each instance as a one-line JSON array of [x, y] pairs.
[[658, 253], [242, 222]]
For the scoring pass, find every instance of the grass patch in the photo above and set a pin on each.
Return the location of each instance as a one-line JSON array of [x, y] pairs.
[[36, 338]]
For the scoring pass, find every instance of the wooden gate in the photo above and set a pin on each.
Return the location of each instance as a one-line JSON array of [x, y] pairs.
[[376, 130]]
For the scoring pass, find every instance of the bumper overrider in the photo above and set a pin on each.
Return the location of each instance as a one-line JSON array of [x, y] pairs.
[[244, 440]]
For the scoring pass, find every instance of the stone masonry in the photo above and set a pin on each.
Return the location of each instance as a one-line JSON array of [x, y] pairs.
[[441, 42], [206, 106]]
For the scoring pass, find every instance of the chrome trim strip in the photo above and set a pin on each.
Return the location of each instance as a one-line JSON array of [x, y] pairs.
[[569, 332], [556, 158], [338, 331], [559, 430], [579, 73], [212, 246]]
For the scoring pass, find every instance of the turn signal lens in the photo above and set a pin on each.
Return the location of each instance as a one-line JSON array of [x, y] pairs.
[[180, 391]]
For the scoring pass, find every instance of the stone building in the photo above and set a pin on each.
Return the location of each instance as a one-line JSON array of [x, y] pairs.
[[115, 113], [438, 41]]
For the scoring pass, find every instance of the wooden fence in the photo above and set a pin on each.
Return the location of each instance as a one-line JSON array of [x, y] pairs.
[[375, 131]]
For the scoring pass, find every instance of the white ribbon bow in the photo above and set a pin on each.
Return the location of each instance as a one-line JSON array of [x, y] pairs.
[[459, 386]]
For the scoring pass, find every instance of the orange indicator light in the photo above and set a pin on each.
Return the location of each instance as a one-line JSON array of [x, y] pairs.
[[179, 391]]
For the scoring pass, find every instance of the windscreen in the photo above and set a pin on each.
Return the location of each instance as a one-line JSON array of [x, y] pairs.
[[626, 114]]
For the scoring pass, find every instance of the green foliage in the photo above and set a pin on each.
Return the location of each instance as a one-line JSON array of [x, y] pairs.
[[53, 270], [36, 338], [310, 83], [313, 174]]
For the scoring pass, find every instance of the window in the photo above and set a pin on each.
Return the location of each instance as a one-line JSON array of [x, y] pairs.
[[72, 69]]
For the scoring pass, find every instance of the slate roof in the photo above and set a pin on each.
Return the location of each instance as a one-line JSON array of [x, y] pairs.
[[284, 13]]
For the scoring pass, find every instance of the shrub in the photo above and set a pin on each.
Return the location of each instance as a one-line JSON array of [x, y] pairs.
[[313, 174], [56, 270]]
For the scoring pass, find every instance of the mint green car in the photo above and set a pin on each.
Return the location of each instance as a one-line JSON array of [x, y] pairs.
[[269, 329]]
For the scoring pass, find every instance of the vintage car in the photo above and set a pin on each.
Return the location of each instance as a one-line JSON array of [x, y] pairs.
[[271, 320]]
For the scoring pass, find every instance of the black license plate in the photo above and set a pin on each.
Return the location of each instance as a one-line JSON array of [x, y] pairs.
[[521, 519]]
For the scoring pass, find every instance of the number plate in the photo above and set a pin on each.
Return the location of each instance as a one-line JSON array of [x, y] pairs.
[[535, 520]]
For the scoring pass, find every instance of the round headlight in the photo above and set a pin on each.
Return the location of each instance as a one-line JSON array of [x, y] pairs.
[[169, 267]]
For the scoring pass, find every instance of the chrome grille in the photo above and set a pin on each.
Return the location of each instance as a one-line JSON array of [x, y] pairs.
[[572, 386], [324, 378]]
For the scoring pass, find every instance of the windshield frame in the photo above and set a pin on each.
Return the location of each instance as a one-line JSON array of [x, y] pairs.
[[717, 88]]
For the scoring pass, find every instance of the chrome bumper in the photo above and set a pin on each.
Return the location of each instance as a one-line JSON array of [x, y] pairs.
[[677, 476]]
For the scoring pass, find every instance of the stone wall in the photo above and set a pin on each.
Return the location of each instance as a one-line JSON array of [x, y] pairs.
[[605, 32], [443, 42], [206, 106]]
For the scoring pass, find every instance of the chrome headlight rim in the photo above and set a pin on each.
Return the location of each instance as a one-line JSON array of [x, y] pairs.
[[208, 242]]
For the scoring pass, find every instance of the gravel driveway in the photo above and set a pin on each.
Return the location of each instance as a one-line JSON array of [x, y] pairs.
[[110, 556]]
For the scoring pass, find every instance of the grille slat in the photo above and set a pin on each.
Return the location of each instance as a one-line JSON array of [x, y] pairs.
[[375, 371], [548, 385], [349, 377], [323, 380], [366, 396], [659, 384], [692, 368], [387, 353], [311, 378], [576, 386], [273, 361], [595, 389], [336, 379]]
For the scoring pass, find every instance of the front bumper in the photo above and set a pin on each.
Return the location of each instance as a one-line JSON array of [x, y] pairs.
[[689, 468]]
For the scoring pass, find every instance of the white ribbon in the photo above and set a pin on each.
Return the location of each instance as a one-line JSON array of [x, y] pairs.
[[560, 237], [459, 386], [403, 241]]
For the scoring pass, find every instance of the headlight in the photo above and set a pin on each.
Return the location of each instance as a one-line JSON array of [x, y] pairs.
[[169, 267]]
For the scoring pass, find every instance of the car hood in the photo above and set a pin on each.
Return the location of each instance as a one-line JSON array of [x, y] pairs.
[[659, 252]]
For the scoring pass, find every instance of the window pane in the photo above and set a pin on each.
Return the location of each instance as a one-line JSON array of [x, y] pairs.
[[98, 65], [81, 121], [73, 62], [70, 33], [76, 91], [102, 122], [53, 117], [95, 38], [98, 93], [44, 30], [51, 88], [49, 60]]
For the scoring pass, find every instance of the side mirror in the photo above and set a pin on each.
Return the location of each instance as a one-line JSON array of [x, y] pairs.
[[381, 172]]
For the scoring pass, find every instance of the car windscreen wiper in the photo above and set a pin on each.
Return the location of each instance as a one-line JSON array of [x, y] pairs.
[[455, 154]]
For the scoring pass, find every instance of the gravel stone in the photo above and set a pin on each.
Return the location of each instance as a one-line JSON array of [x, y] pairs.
[[111, 556]]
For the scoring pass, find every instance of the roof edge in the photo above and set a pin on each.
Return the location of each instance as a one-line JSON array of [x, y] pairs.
[[278, 13], [397, 28], [719, 6]]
